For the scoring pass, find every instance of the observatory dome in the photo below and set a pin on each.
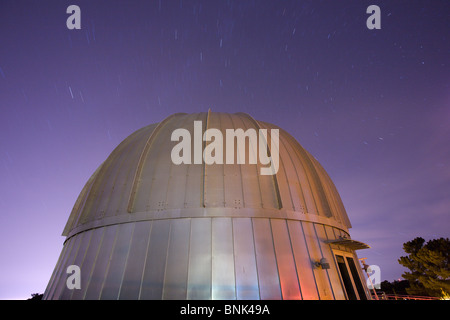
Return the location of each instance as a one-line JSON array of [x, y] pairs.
[[146, 227]]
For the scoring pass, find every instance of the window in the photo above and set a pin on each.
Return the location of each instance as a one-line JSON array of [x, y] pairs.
[[346, 278], [356, 279], [350, 277]]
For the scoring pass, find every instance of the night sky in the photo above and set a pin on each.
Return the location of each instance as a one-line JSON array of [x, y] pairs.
[[373, 106]]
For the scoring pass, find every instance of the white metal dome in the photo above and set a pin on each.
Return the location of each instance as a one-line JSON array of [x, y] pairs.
[[146, 228]]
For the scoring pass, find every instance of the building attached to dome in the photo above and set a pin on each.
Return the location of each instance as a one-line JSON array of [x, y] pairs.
[[146, 228]]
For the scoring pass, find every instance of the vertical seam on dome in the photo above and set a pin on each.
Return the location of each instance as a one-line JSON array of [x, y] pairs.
[[301, 194], [188, 258], [130, 243], [305, 164], [142, 159], [329, 185], [91, 233], [145, 260], [256, 168], [203, 162], [223, 173], [113, 172], [87, 206], [121, 160], [310, 258], [254, 257], [169, 180], [169, 233], [274, 176], [80, 203], [320, 192], [328, 192], [275, 256], [233, 257], [319, 242], [240, 167], [99, 245], [79, 240], [108, 265], [48, 294], [281, 159], [286, 222], [188, 168]]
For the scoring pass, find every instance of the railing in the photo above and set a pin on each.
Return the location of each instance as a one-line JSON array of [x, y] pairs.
[[385, 296]]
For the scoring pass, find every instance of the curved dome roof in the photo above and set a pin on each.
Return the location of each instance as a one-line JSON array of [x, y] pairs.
[[139, 181]]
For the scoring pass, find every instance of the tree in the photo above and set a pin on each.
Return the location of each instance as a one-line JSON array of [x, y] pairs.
[[429, 266], [36, 296], [396, 287]]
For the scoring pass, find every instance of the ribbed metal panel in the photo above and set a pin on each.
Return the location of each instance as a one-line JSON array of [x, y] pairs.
[[201, 258], [145, 228]]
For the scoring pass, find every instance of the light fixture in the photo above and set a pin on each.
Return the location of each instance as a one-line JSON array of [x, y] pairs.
[[323, 263]]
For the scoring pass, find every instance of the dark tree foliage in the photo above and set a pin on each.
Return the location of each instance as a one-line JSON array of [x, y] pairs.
[[429, 266], [36, 296], [396, 287]]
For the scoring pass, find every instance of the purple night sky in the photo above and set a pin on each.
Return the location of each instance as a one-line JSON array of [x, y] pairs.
[[373, 106]]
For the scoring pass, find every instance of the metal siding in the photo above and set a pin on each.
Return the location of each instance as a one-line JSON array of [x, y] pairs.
[[268, 192], [101, 264], [161, 177], [293, 180], [305, 185], [223, 278], [214, 189], [89, 210], [328, 254], [278, 204], [137, 177], [102, 196], [89, 262], [319, 194], [232, 173], [126, 188], [156, 194], [60, 269], [303, 262], [175, 280], [84, 245], [285, 260], [214, 175], [176, 187], [113, 188], [249, 172], [282, 177], [247, 287], [269, 281], [251, 189], [321, 276], [80, 202], [123, 182], [54, 277], [61, 285], [145, 174], [114, 276], [199, 269], [155, 263], [132, 278], [194, 189]]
